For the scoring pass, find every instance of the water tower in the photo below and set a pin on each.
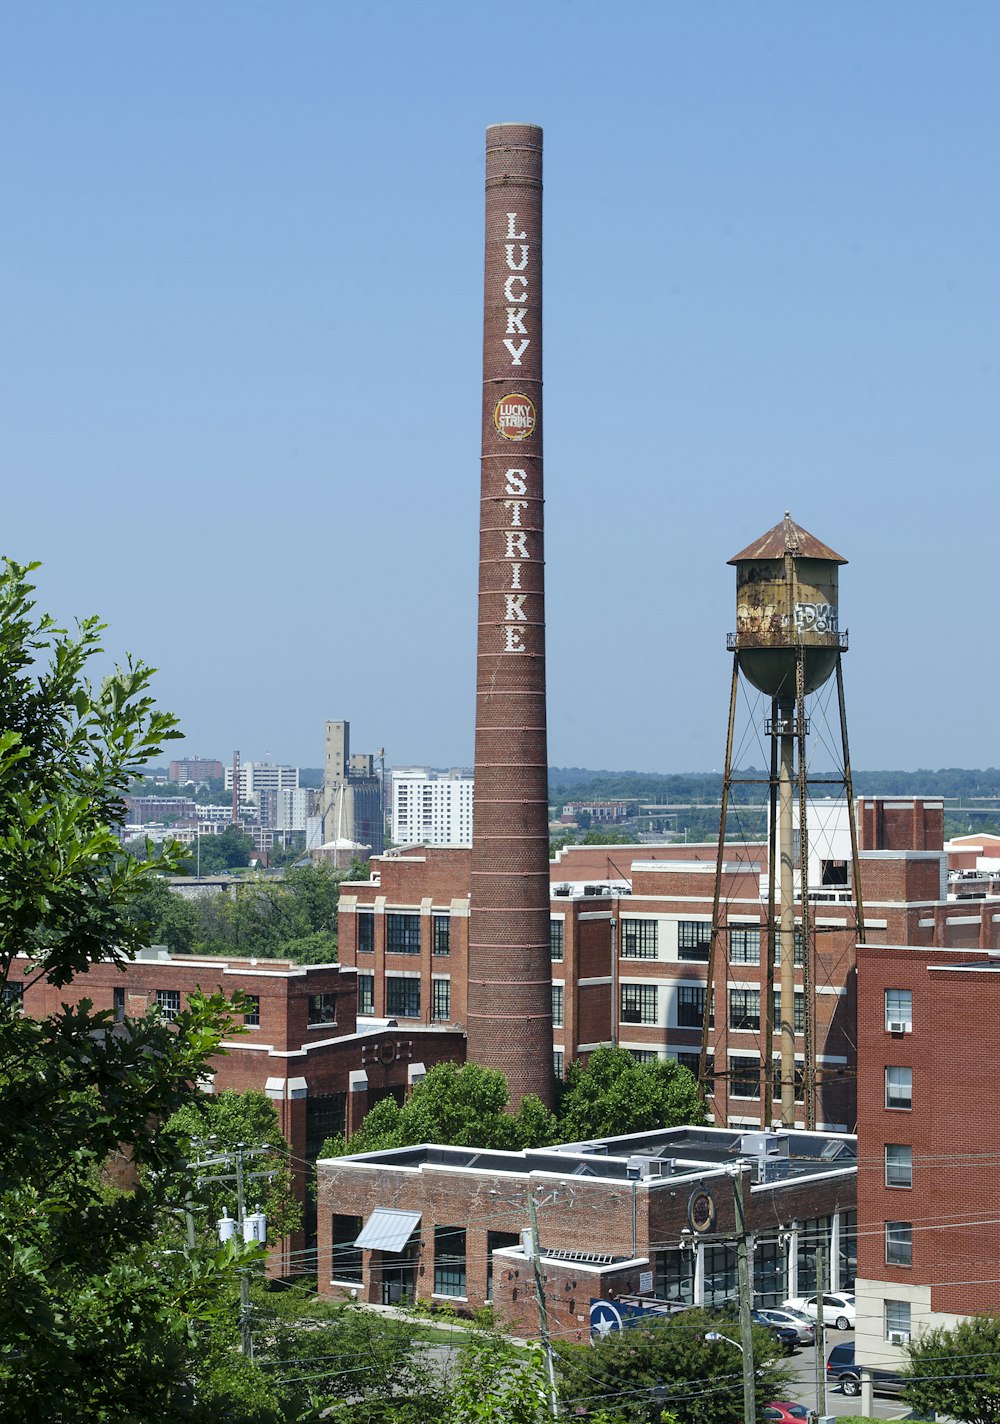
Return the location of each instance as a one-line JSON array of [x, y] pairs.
[[787, 645]]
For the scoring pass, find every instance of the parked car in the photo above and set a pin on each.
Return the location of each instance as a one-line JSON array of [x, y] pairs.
[[729, 1311], [842, 1368], [837, 1309], [792, 1320], [778, 1413]]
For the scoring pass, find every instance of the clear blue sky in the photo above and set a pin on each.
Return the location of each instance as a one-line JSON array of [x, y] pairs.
[[239, 385]]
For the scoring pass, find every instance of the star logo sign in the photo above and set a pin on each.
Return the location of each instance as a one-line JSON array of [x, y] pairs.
[[604, 1317]]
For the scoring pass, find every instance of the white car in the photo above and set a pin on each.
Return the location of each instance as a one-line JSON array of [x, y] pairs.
[[838, 1309], [793, 1320]]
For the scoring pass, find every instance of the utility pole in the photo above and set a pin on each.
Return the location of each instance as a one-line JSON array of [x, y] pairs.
[[543, 1317], [746, 1325], [246, 1328], [246, 1228], [820, 1332]]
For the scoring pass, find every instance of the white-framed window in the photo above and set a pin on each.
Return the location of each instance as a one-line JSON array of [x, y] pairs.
[[557, 1006], [899, 1243], [639, 1003], [744, 944], [899, 1010], [169, 1001], [897, 1319], [639, 939], [898, 1164], [899, 1088]]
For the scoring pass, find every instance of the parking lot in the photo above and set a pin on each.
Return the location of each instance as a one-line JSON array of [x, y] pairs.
[[803, 1391]]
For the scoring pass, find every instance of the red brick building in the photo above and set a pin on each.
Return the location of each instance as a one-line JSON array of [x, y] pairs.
[[631, 926], [304, 1045], [928, 1237], [614, 1220]]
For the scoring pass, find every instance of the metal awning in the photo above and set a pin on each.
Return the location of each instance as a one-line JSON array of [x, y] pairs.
[[388, 1229]]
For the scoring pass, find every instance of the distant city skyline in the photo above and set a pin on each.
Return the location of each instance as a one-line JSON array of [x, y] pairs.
[[243, 301]]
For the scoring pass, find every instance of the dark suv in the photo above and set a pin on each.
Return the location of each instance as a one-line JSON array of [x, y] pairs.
[[841, 1366]]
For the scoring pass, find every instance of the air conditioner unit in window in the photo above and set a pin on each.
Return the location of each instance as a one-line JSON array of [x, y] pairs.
[[898, 1026], [899, 1337]]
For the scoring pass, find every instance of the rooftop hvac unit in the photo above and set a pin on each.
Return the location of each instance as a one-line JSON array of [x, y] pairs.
[[899, 1337]]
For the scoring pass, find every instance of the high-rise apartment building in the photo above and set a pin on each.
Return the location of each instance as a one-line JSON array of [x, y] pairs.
[[259, 776], [431, 807]]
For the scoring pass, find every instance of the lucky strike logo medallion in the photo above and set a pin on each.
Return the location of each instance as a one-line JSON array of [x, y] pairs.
[[514, 417]]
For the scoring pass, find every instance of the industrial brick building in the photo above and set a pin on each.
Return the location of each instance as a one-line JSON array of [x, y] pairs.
[[630, 927], [928, 1239], [304, 1045], [615, 1220]]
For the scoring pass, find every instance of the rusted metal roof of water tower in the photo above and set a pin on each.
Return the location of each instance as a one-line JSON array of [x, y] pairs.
[[787, 537]]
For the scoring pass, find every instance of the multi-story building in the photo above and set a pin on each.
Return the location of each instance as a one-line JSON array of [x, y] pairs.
[[631, 933], [351, 810], [195, 769], [928, 1236], [431, 807], [304, 1043], [256, 777], [648, 1218]]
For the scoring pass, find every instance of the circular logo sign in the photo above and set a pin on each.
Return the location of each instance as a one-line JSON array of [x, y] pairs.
[[386, 1052], [701, 1210], [514, 417]]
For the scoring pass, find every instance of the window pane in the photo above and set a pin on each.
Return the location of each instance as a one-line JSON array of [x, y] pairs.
[[897, 1317], [449, 1260], [402, 997], [169, 1001], [556, 930], [691, 1007], [346, 1257], [799, 955], [638, 1003], [744, 944], [442, 934], [899, 1007], [898, 1165], [442, 998], [402, 934], [251, 1014], [744, 1008], [898, 1243], [899, 1087], [639, 939], [557, 1006], [366, 933], [799, 1009], [322, 1008], [557, 1062], [366, 993], [744, 1078], [693, 939]]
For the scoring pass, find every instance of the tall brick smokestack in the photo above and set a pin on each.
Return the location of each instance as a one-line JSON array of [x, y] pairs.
[[510, 974]]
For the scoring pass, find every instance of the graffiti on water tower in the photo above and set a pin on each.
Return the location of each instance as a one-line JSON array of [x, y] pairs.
[[815, 618], [805, 618]]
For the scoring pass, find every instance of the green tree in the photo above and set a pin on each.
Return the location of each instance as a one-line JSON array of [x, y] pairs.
[[229, 850], [612, 1093], [97, 1316], [462, 1107], [956, 1371], [164, 916], [491, 1382], [646, 1370], [217, 1122]]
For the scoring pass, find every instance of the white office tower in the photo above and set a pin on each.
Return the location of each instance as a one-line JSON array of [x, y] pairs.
[[431, 807]]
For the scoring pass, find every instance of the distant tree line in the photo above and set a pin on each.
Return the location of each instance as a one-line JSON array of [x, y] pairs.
[[267, 917]]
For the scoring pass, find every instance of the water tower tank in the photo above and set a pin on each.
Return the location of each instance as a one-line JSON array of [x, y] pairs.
[[787, 600]]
